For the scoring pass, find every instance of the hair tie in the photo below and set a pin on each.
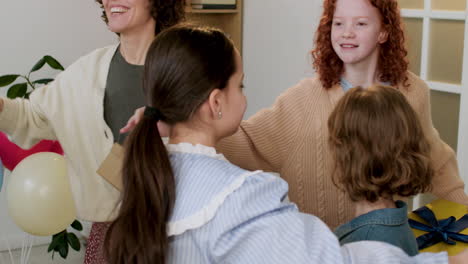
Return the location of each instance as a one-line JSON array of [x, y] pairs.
[[152, 113]]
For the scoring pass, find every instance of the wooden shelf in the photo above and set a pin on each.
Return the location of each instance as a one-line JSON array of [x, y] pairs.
[[210, 11], [189, 9], [228, 20]]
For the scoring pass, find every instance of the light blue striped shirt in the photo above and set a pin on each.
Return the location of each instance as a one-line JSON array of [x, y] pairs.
[[224, 214]]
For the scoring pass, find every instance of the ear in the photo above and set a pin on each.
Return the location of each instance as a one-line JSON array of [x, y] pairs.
[[215, 102], [383, 36]]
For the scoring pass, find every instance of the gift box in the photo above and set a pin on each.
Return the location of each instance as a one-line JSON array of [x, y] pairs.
[[440, 226]]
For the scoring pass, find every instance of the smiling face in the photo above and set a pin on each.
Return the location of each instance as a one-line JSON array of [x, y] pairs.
[[126, 16], [357, 32]]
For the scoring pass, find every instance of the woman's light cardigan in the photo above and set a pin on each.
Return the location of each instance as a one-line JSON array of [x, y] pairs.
[[70, 110]]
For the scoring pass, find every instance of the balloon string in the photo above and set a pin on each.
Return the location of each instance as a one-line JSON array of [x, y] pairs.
[[26, 248], [28, 254], [9, 250], [22, 249]]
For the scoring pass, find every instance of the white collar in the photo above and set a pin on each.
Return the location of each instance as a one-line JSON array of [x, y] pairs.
[[185, 147], [208, 211]]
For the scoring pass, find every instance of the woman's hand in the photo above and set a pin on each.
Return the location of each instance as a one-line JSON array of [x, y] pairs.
[[163, 128]]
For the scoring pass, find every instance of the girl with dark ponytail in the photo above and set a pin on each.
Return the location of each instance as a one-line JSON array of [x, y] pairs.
[[184, 68], [184, 203]]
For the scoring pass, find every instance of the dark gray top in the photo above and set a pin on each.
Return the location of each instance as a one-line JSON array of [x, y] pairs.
[[124, 93], [387, 225]]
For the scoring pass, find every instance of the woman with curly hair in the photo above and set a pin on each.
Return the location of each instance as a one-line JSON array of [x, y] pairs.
[[88, 103], [380, 151], [358, 43]]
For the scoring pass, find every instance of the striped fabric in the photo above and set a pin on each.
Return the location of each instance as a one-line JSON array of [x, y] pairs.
[[224, 214]]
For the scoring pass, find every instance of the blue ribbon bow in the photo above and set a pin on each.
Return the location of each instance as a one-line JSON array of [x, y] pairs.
[[443, 230]]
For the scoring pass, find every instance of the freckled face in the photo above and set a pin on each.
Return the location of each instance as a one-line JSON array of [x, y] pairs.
[[357, 31]]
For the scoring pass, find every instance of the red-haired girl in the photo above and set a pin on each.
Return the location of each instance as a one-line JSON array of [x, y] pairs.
[[358, 43]]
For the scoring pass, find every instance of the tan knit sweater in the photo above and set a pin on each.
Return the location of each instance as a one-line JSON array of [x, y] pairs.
[[291, 138]]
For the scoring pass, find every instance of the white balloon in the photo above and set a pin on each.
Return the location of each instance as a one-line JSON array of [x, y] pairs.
[[39, 197]]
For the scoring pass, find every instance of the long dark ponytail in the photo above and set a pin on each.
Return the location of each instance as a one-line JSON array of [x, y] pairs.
[[183, 65]]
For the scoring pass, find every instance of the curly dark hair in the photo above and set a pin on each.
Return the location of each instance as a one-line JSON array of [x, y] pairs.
[[378, 145], [392, 64], [166, 13]]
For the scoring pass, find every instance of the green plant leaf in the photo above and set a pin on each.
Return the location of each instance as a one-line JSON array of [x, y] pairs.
[[59, 244], [63, 250], [52, 244], [55, 236], [57, 239], [62, 246], [38, 64], [43, 81], [8, 79], [77, 225], [74, 241], [53, 63], [17, 90], [26, 96], [58, 234]]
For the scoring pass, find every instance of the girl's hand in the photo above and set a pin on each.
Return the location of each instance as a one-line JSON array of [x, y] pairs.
[[163, 128], [459, 258], [133, 121]]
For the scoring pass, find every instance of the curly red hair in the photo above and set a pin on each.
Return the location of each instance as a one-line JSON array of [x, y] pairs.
[[392, 64]]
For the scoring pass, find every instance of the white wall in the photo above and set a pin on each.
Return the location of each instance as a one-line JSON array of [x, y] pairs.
[[277, 38], [65, 29]]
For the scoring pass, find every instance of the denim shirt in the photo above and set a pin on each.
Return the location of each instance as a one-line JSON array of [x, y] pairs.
[[387, 225], [346, 85]]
